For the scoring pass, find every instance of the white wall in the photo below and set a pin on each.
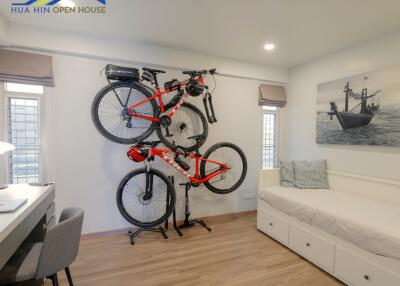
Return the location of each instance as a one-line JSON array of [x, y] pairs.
[[3, 30], [89, 168], [298, 118]]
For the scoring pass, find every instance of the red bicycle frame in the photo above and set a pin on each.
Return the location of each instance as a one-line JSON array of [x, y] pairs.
[[162, 153], [158, 94]]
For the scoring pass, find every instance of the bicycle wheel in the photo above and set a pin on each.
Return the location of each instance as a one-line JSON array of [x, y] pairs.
[[146, 199], [109, 112], [187, 121], [233, 156]]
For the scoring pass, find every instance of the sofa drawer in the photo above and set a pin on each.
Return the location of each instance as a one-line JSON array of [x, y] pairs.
[[278, 227], [274, 225], [262, 220], [359, 272], [313, 247]]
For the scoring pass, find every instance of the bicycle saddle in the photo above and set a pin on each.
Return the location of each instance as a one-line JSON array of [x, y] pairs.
[[153, 71], [152, 144]]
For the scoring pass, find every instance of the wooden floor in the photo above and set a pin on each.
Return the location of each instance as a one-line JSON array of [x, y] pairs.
[[233, 253]]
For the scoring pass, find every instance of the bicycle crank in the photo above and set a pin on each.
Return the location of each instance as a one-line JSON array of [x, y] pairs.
[[165, 121]]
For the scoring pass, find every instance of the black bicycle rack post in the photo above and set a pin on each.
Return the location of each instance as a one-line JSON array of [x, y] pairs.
[[190, 222], [172, 178], [161, 229]]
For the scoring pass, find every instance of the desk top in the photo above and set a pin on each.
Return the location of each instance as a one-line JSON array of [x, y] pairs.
[[35, 195]]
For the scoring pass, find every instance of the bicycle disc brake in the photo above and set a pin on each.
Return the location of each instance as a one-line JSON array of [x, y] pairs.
[[127, 117]]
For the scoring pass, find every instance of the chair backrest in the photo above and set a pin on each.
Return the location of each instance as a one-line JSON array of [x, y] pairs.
[[61, 243]]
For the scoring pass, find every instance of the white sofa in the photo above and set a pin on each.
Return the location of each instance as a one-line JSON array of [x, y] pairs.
[[351, 231]]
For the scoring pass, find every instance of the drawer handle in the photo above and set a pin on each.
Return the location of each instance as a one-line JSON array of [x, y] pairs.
[[271, 224], [366, 277], [308, 244]]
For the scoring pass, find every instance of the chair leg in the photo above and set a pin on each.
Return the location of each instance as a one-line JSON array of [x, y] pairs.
[[69, 276], [54, 279]]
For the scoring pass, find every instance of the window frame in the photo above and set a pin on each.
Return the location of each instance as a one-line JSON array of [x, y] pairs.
[[277, 135], [23, 95]]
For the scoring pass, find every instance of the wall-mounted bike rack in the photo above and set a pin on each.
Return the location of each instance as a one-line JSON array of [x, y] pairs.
[[161, 229]]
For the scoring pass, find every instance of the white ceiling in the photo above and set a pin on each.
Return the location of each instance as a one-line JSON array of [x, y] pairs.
[[301, 29]]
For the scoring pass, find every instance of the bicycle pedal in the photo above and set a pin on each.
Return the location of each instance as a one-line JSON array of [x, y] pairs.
[[169, 135]]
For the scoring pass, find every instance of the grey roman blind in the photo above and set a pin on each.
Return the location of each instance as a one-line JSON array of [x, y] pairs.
[[27, 68], [272, 95]]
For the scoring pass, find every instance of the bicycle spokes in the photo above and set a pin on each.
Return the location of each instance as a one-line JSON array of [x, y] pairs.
[[186, 122], [113, 114], [236, 167], [145, 197]]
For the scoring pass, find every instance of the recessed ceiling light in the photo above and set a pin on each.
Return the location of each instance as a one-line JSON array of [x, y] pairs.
[[67, 3], [269, 46]]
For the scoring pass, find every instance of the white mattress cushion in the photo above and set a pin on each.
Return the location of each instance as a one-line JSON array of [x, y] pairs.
[[371, 225]]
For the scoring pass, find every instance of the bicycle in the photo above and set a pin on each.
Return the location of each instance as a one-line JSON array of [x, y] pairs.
[[146, 197], [127, 111]]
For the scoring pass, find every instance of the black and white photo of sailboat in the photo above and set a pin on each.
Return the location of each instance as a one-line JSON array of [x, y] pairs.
[[360, 110], [348, 118]]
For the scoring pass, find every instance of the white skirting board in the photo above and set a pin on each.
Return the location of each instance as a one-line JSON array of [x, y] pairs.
[[343, 260]]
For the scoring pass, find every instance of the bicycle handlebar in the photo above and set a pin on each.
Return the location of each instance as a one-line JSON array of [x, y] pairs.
[[200, 73], [153, 144]]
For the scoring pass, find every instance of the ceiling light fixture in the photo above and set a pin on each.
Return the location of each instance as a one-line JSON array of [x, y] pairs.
[[67, 3], [269, 47]]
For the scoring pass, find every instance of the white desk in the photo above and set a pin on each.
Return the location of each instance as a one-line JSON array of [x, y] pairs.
[[28, 220]]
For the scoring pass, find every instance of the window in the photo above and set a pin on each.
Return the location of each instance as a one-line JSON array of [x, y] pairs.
[[26, 88], [23, 116], [270, 137]]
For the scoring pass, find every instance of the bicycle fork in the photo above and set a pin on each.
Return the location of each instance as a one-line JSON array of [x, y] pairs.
[[149, 183]]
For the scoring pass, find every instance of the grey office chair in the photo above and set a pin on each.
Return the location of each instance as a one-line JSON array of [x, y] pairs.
[[34, 261]]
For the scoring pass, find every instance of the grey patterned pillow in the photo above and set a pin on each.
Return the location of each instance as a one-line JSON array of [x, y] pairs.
[[311, 174], [287, 173]]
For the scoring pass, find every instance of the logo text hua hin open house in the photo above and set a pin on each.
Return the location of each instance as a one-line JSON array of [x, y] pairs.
[[49, 6]]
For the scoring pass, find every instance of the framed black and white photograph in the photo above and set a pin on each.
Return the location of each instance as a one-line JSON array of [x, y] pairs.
[[360, 110]]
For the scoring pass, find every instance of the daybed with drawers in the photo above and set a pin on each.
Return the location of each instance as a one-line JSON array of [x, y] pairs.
[[351, 230]]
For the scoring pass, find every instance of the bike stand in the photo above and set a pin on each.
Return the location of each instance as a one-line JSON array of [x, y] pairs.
[[187, 223], [161, 229], [133, 235], [172, 178]]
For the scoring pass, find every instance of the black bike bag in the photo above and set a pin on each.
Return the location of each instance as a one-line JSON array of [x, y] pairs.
[[121, 73], [172, 84]]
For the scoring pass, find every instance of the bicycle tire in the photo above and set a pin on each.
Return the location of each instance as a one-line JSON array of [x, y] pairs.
[[204, 127], [170, 193], [106, 90], [203, 163]]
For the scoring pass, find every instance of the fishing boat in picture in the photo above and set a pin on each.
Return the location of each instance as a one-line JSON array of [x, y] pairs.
[[348, 118]]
